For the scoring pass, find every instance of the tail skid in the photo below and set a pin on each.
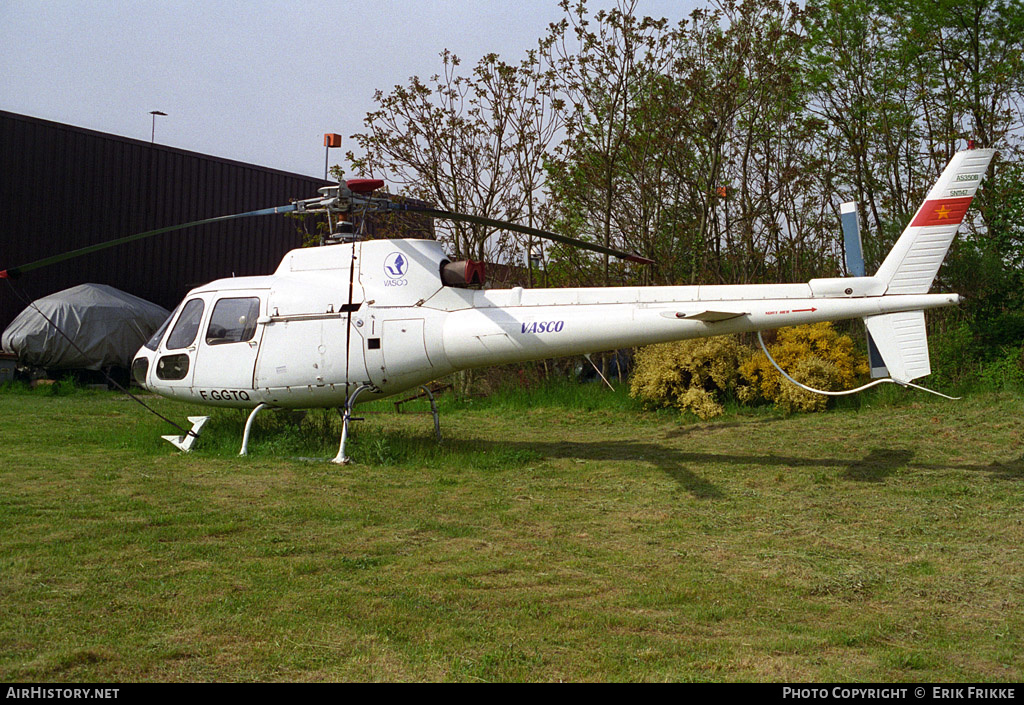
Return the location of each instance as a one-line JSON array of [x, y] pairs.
[[846, 392]]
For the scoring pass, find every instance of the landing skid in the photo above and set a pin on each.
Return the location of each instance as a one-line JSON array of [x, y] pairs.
[[346, 417], [185, 443], [341, 458], [248, 428]]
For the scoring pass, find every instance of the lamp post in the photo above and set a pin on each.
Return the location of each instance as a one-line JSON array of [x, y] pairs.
[[154, 113]]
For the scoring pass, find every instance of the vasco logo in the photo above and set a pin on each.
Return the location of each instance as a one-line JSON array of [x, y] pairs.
[[543, 327], [396, 266]]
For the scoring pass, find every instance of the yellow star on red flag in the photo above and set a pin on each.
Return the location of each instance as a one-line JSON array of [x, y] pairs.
[[944, 211]]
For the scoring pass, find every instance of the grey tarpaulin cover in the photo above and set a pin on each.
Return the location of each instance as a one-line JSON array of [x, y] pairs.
[[108, 325]]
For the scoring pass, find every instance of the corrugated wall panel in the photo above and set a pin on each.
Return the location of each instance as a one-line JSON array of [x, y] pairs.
[[63, 187]]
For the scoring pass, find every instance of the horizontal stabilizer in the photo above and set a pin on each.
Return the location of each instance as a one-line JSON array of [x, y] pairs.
[[706, 316], [901, 340]]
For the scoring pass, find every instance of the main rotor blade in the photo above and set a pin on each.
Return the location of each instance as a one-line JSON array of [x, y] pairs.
[[526, 230], [17, 271]]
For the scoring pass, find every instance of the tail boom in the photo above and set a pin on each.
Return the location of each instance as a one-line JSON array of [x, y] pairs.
[[478, 337]]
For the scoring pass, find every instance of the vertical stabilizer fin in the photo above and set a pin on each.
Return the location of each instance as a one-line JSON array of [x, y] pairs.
[[902, 343], [914, 261]]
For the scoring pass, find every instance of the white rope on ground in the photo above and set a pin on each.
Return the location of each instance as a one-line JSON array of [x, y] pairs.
[[848, 391]]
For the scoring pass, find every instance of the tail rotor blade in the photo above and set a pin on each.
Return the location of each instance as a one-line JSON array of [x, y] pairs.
[[855, 267], [851, 239]]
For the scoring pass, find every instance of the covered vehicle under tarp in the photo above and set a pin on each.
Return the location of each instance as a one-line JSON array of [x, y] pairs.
[[107, 326]]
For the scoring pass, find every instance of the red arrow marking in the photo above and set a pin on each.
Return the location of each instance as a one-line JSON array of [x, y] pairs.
[[803, 310]]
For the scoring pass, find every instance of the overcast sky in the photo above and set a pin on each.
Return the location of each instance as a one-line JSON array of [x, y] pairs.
[[256, 81]]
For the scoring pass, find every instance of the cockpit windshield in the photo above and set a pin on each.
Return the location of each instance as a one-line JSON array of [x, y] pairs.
[[154, 342], [184, 332]]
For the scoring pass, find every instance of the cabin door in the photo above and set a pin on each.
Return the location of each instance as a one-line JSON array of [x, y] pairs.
[[226, 358]]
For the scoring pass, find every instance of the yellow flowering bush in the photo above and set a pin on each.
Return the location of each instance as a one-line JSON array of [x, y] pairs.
[[815, 355], [690, 375], [697, 375]]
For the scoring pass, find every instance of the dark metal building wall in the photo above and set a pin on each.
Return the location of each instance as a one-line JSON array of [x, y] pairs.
[[63, 187]]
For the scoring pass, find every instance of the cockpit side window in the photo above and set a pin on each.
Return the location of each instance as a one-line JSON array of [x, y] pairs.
[[184, 332], [233, 321]]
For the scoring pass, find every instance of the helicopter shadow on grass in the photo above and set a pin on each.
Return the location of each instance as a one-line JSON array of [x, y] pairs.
[[681, 465], [876, 466], [1010, 470]]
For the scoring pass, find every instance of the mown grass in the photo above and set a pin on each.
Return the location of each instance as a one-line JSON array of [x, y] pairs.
[[576, 539]]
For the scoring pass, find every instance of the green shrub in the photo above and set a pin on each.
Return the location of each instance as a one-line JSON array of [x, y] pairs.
[[955, 355], [960, 362], [1003, 373]]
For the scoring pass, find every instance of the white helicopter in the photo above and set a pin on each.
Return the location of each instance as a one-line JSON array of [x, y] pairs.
[[346, 323]]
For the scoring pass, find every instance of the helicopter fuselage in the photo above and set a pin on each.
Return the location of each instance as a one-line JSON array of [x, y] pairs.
[[378, 314]]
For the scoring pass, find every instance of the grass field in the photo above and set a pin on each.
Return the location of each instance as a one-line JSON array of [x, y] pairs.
[[580, 539]]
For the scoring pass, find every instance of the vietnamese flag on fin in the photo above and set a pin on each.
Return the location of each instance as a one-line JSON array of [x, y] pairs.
[[943, 211]]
